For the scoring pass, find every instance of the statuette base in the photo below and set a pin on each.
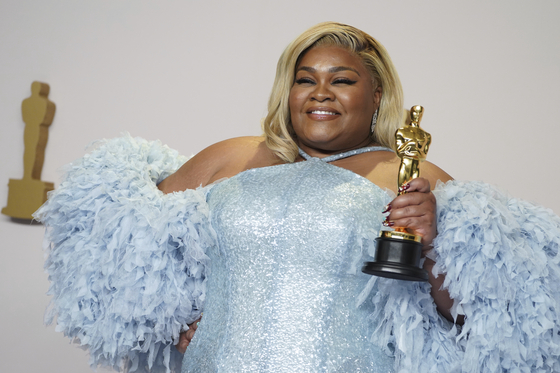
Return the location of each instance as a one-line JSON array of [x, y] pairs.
[[397, 256], [25, 196]]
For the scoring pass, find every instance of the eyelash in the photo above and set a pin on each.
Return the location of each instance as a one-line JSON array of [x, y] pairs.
[[304, 81], [336, 81], [344, 81]]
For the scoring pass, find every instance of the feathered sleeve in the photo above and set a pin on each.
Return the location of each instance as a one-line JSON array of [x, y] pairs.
[[127, 264], [501, 262]]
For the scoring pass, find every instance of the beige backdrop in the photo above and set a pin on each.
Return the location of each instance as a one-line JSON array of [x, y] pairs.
[[195, 72]]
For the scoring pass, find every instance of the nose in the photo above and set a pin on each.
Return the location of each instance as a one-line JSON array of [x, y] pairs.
[[322, 93]]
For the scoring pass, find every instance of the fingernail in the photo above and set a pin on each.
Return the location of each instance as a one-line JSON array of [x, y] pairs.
[[404, 187], [388, 223], [197, 324], [387, 208]]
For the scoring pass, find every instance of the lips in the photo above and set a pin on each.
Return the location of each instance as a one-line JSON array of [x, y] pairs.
[[322, 113], [322, 110]]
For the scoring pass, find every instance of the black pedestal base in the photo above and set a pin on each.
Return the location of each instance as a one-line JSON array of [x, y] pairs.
[[398, 259]]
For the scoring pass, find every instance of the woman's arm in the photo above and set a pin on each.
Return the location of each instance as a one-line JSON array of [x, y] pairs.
[[101, 251], [221, 160], [186, 336], [196, 172], [416, 210]]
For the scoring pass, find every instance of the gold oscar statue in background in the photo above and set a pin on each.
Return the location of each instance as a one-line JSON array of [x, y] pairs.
[[398, 252], [26, 195]]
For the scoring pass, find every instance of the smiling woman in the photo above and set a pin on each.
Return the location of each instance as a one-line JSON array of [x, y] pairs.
[[271, 243], [364, 53], [332, 102]]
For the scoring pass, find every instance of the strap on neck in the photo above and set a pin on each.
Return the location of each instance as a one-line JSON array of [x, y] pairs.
[[336, 157]]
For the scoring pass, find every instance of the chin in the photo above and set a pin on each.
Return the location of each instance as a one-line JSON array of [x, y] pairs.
[[318, 140], [319, 137]]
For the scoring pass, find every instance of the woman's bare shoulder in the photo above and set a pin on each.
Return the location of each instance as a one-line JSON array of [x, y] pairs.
[[224, 159], [433, 173]]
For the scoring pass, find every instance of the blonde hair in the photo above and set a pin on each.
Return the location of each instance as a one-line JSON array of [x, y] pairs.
[[278, 131]]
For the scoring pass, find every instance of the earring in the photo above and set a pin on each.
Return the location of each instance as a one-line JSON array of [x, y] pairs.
[[374, 120]]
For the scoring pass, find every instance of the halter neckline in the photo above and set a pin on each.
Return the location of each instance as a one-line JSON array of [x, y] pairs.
[[336, 157]]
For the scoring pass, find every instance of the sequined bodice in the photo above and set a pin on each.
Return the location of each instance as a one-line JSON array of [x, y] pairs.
[[285, 276]]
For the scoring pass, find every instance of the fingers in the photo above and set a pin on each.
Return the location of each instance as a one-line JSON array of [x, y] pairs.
[[194, 325], [417, 218], [192, 329], [186, 336], [414, 210], [413, 204], [417, 185]]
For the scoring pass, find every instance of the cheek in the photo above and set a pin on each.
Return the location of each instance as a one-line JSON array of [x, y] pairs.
[[295, 100], [361, 104]]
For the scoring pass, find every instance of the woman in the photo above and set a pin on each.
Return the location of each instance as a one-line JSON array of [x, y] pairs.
[[327, 90], [274, 241]]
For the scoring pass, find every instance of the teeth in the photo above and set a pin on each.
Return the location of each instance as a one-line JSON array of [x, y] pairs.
[[322, 112]]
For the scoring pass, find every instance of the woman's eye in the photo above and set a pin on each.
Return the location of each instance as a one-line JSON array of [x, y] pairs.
[[344, 81], [304, 81]]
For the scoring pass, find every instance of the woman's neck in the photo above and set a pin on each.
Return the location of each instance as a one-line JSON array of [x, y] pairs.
[[318, 152]]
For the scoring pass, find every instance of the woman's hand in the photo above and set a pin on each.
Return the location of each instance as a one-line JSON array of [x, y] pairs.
[[186, 336], [415, 210]]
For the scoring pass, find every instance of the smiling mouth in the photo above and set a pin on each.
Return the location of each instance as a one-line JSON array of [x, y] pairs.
[[322, 112]]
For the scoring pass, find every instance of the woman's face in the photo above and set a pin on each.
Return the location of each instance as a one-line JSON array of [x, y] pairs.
[[332, 101]]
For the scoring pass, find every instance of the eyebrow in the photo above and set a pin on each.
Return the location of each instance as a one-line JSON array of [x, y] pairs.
[[332, 70]]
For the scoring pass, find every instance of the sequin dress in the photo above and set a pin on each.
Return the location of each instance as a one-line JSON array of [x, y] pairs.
[[285, 276], [273, 257]]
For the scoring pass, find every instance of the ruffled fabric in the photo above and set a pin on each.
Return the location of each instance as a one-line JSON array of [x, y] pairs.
[[408, 327], [500, 257], [127, 264], [128, 268]]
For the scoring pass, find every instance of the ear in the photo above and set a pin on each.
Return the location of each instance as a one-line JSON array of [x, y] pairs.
[[377, 94]]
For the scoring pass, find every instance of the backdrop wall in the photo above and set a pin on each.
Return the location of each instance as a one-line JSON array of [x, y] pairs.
[[192, 73]]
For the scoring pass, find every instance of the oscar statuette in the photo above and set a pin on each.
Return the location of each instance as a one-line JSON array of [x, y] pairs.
[[26, 195], [398, 252]]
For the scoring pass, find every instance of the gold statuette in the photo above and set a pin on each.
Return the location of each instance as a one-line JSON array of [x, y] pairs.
[[412, 146], [398, 252], [26, 195]]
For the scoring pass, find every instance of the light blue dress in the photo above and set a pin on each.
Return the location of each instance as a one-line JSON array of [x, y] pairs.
[[285, 278], [273, 257]]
